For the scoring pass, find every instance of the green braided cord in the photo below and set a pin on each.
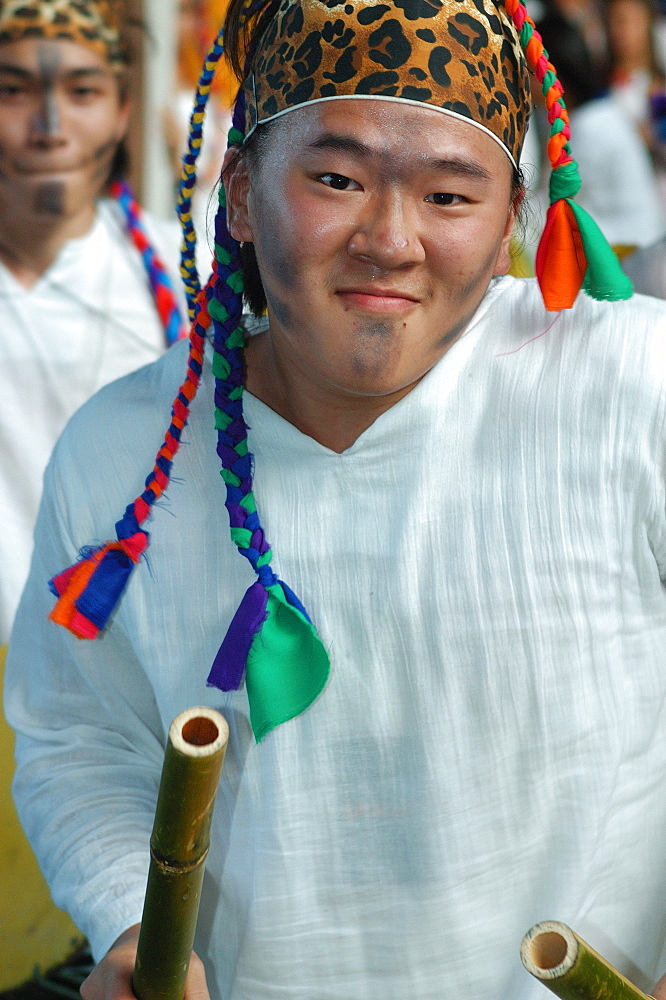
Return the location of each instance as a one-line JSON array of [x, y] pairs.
[[549, 78], [286, 666], [565, 181], [604, 279]]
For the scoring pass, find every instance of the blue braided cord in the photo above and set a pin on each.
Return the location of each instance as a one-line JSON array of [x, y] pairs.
[[188, 177], [187, 184], [229, 369]]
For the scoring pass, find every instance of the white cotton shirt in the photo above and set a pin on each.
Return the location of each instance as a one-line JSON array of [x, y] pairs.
[[89, 319], [485, 566]]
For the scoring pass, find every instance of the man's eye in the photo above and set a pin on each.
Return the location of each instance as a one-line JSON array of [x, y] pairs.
[[339, 182], [9, 90], [444, 198]]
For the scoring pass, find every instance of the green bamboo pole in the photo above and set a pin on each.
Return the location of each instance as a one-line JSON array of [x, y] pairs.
[[567, 965], [178, 848]]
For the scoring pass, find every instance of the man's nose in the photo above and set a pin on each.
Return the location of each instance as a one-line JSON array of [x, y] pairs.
[[46, 125], [387, 233]]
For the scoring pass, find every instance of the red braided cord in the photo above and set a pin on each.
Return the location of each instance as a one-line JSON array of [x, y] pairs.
[[539, 63], [180, 409]]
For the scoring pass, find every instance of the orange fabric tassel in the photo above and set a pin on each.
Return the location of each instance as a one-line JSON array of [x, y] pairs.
[[560, 259], [65, 612]]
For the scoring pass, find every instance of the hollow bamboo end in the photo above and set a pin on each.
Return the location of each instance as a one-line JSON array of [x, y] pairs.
[[549, 950], [199, 732]]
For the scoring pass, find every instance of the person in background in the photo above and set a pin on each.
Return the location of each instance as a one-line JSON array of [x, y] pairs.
[[618, 182], [636, 75], [647, 269], [85, 296], [587, 17]]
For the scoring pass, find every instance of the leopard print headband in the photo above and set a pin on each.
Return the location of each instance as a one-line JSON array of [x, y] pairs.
[[462, 57], [94, 23]]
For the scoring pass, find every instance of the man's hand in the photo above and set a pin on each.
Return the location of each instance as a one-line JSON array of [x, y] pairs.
[[111, 979], [659, 992]]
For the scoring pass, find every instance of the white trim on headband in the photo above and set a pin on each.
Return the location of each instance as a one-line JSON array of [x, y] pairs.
[[380, 97]]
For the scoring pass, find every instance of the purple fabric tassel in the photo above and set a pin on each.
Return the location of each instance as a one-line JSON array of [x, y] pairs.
[[229, 663]]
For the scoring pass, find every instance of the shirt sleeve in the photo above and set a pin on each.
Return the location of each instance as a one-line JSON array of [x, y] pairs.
[[89, 737]]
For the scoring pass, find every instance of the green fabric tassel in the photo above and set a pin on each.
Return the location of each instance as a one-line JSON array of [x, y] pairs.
[[604, 279], [287, 666]]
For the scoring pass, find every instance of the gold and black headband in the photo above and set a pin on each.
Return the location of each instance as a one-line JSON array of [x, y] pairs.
[[462, 57], [94, 23]]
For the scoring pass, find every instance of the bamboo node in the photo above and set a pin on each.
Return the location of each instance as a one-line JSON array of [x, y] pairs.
[[171, 867]]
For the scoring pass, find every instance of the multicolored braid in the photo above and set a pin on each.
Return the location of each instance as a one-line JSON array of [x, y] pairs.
[[271, 637], [160, 282], [188, 177], [573, 253], [89, 590]]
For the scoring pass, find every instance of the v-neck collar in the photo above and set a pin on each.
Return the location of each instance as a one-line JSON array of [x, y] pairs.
[[438, 380]]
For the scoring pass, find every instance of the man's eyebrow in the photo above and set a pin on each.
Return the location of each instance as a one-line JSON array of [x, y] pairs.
[[86, 71], [453, 165], [342, 143], [457, 165], [21, 71], [83, 72]]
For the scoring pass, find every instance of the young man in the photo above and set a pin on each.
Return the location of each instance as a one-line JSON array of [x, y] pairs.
[[78, 309], [465, 490]]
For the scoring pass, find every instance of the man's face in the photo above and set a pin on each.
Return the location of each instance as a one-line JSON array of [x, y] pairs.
[[61, 119], [377, 228]]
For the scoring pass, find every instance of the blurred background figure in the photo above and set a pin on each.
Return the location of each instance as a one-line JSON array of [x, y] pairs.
[[586, 17], [87, 286], [647, 269], [636, 73], [619, 186], [83, 300], [619, 183]]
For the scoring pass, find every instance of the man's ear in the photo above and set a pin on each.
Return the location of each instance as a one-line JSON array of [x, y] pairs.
[[236, 182], [503, 262]]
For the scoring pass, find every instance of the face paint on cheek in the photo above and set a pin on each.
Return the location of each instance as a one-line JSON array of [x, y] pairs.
[[105, 151], [101, 160], [475, 288], [280, 275], [50, 198], [278, 255], [280, 310]]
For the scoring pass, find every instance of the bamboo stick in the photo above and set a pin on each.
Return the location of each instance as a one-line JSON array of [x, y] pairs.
[[567, 965], [178, 847]]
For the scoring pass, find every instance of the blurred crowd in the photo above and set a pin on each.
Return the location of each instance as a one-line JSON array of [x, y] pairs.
[[610, 56]]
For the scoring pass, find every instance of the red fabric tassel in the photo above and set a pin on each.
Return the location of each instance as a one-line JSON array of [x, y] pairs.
[[89, 590], [560, 260]]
